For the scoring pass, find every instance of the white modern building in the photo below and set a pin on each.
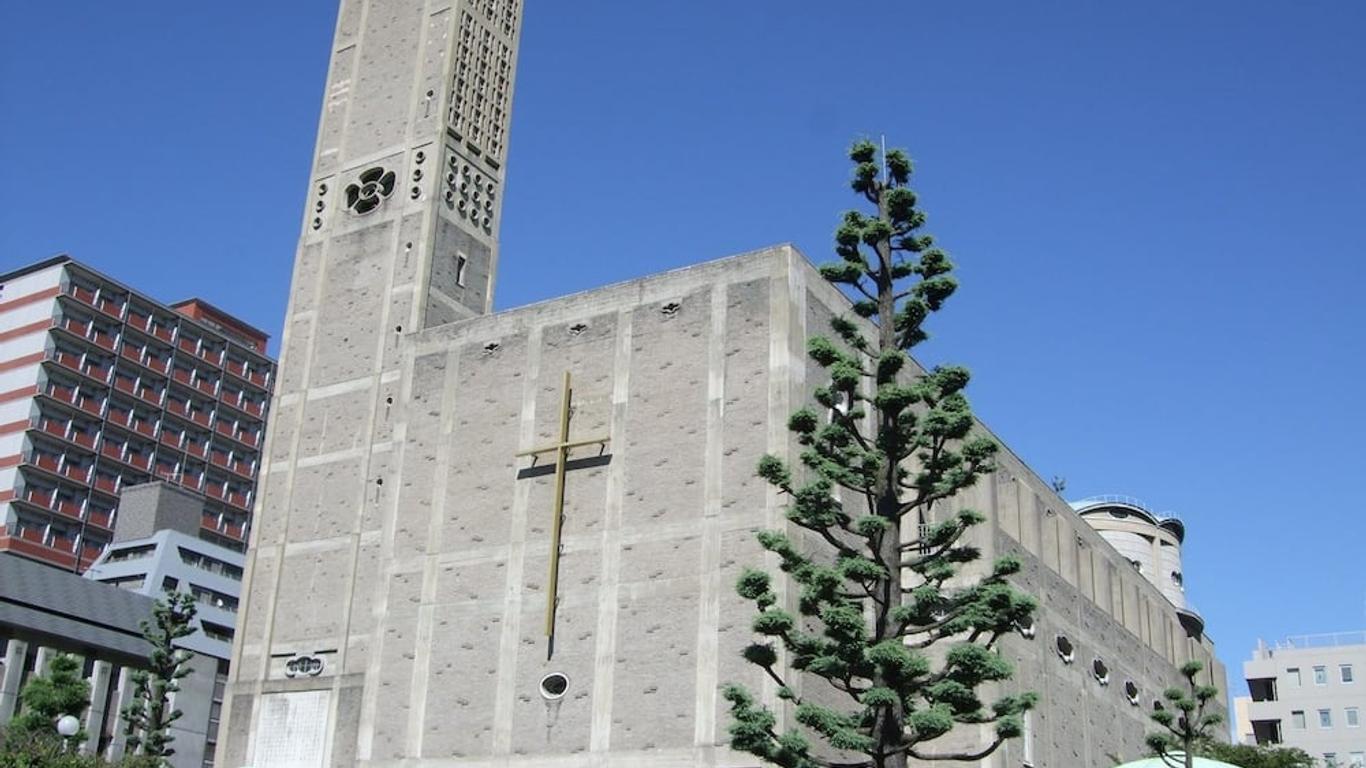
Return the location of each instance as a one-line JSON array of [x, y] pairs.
[[154, 552], [1307, 692]]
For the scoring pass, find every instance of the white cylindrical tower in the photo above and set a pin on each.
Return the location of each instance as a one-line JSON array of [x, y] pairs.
[[1151, 542]]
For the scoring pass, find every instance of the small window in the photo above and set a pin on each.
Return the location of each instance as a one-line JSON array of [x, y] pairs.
[[1358, 760], [553, 686], [1131, 692], [1353, 717], [1320, 675], [1065, 650], [1330, 760], [1325, 718], [460, 264], [1297, 719], [1293, 675], [1101, 671], [1345, 673]]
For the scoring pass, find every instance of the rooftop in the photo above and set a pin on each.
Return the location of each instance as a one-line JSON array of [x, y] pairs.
[[1325, 640]]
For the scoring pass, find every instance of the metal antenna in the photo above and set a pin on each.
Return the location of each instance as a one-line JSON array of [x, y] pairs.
[[885, 180]]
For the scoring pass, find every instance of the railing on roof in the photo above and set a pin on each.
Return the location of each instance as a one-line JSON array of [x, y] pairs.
[[1111, 498], [1325, 640], [1119, 498]]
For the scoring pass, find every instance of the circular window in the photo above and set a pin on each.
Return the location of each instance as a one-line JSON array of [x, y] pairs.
[[553, 686], [1101, 671], [1065, 650], [1131, 691]]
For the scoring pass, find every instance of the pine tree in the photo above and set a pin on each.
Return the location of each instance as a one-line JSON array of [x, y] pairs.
[[61, 691], [1187, 723], [148, 717], [886, 614]]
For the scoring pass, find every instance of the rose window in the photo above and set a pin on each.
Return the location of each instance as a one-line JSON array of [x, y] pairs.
[[370, 189]]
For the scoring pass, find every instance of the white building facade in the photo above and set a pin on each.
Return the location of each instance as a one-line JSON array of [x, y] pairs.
[[1307, 692]]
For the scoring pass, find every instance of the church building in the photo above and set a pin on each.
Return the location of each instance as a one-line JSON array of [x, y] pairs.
[[412, 597]]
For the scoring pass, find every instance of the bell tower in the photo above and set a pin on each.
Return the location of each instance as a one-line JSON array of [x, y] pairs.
[[411, 155], [399, 233]]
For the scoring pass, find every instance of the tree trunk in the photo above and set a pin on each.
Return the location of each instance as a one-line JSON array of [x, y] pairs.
[[892, 728]]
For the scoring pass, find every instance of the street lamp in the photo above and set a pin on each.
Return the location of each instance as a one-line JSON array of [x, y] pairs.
[[68, 725]]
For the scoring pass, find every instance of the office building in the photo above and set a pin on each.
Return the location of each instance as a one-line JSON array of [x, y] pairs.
[[1307, 692]]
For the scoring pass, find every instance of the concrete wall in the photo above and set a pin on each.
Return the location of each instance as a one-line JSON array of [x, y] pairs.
[[157, 506], [419, 560]]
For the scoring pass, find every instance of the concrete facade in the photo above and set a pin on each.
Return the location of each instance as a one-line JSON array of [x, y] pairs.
[[1307, 692], [1150, 542], [404, 545], [425, 571]]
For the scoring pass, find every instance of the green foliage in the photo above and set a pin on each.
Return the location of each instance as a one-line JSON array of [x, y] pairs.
[[1186, 723], [45, 749], [1254, 756], [148, 717], [47, 697], [881, 460], [19, 751]]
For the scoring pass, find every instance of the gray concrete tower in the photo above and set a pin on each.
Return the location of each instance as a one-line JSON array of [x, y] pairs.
[[409, 166], [399, 233]]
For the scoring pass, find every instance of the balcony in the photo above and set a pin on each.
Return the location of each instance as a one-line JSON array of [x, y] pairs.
[[111, 305], [75, 471], [148, 324], [134, 459], [58, 428], [81, 293], [67, 360], [46, 461], [29, 542], [104, 339], [76, 327], [244, 469], [242, 370], [243, 405], [143, 358], [50, 500]]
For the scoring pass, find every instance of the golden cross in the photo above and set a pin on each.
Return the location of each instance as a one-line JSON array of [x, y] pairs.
[[561, 448]]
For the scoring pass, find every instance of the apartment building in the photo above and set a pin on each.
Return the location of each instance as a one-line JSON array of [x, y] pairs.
[[1307, 692], [102, 388]]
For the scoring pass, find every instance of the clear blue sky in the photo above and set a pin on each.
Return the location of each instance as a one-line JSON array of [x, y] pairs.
[[1158, 209]]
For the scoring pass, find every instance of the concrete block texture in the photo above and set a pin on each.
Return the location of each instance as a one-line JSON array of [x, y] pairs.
[[432, 584]]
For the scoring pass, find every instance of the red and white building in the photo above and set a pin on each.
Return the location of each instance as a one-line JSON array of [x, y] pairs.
[[102, 387]]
